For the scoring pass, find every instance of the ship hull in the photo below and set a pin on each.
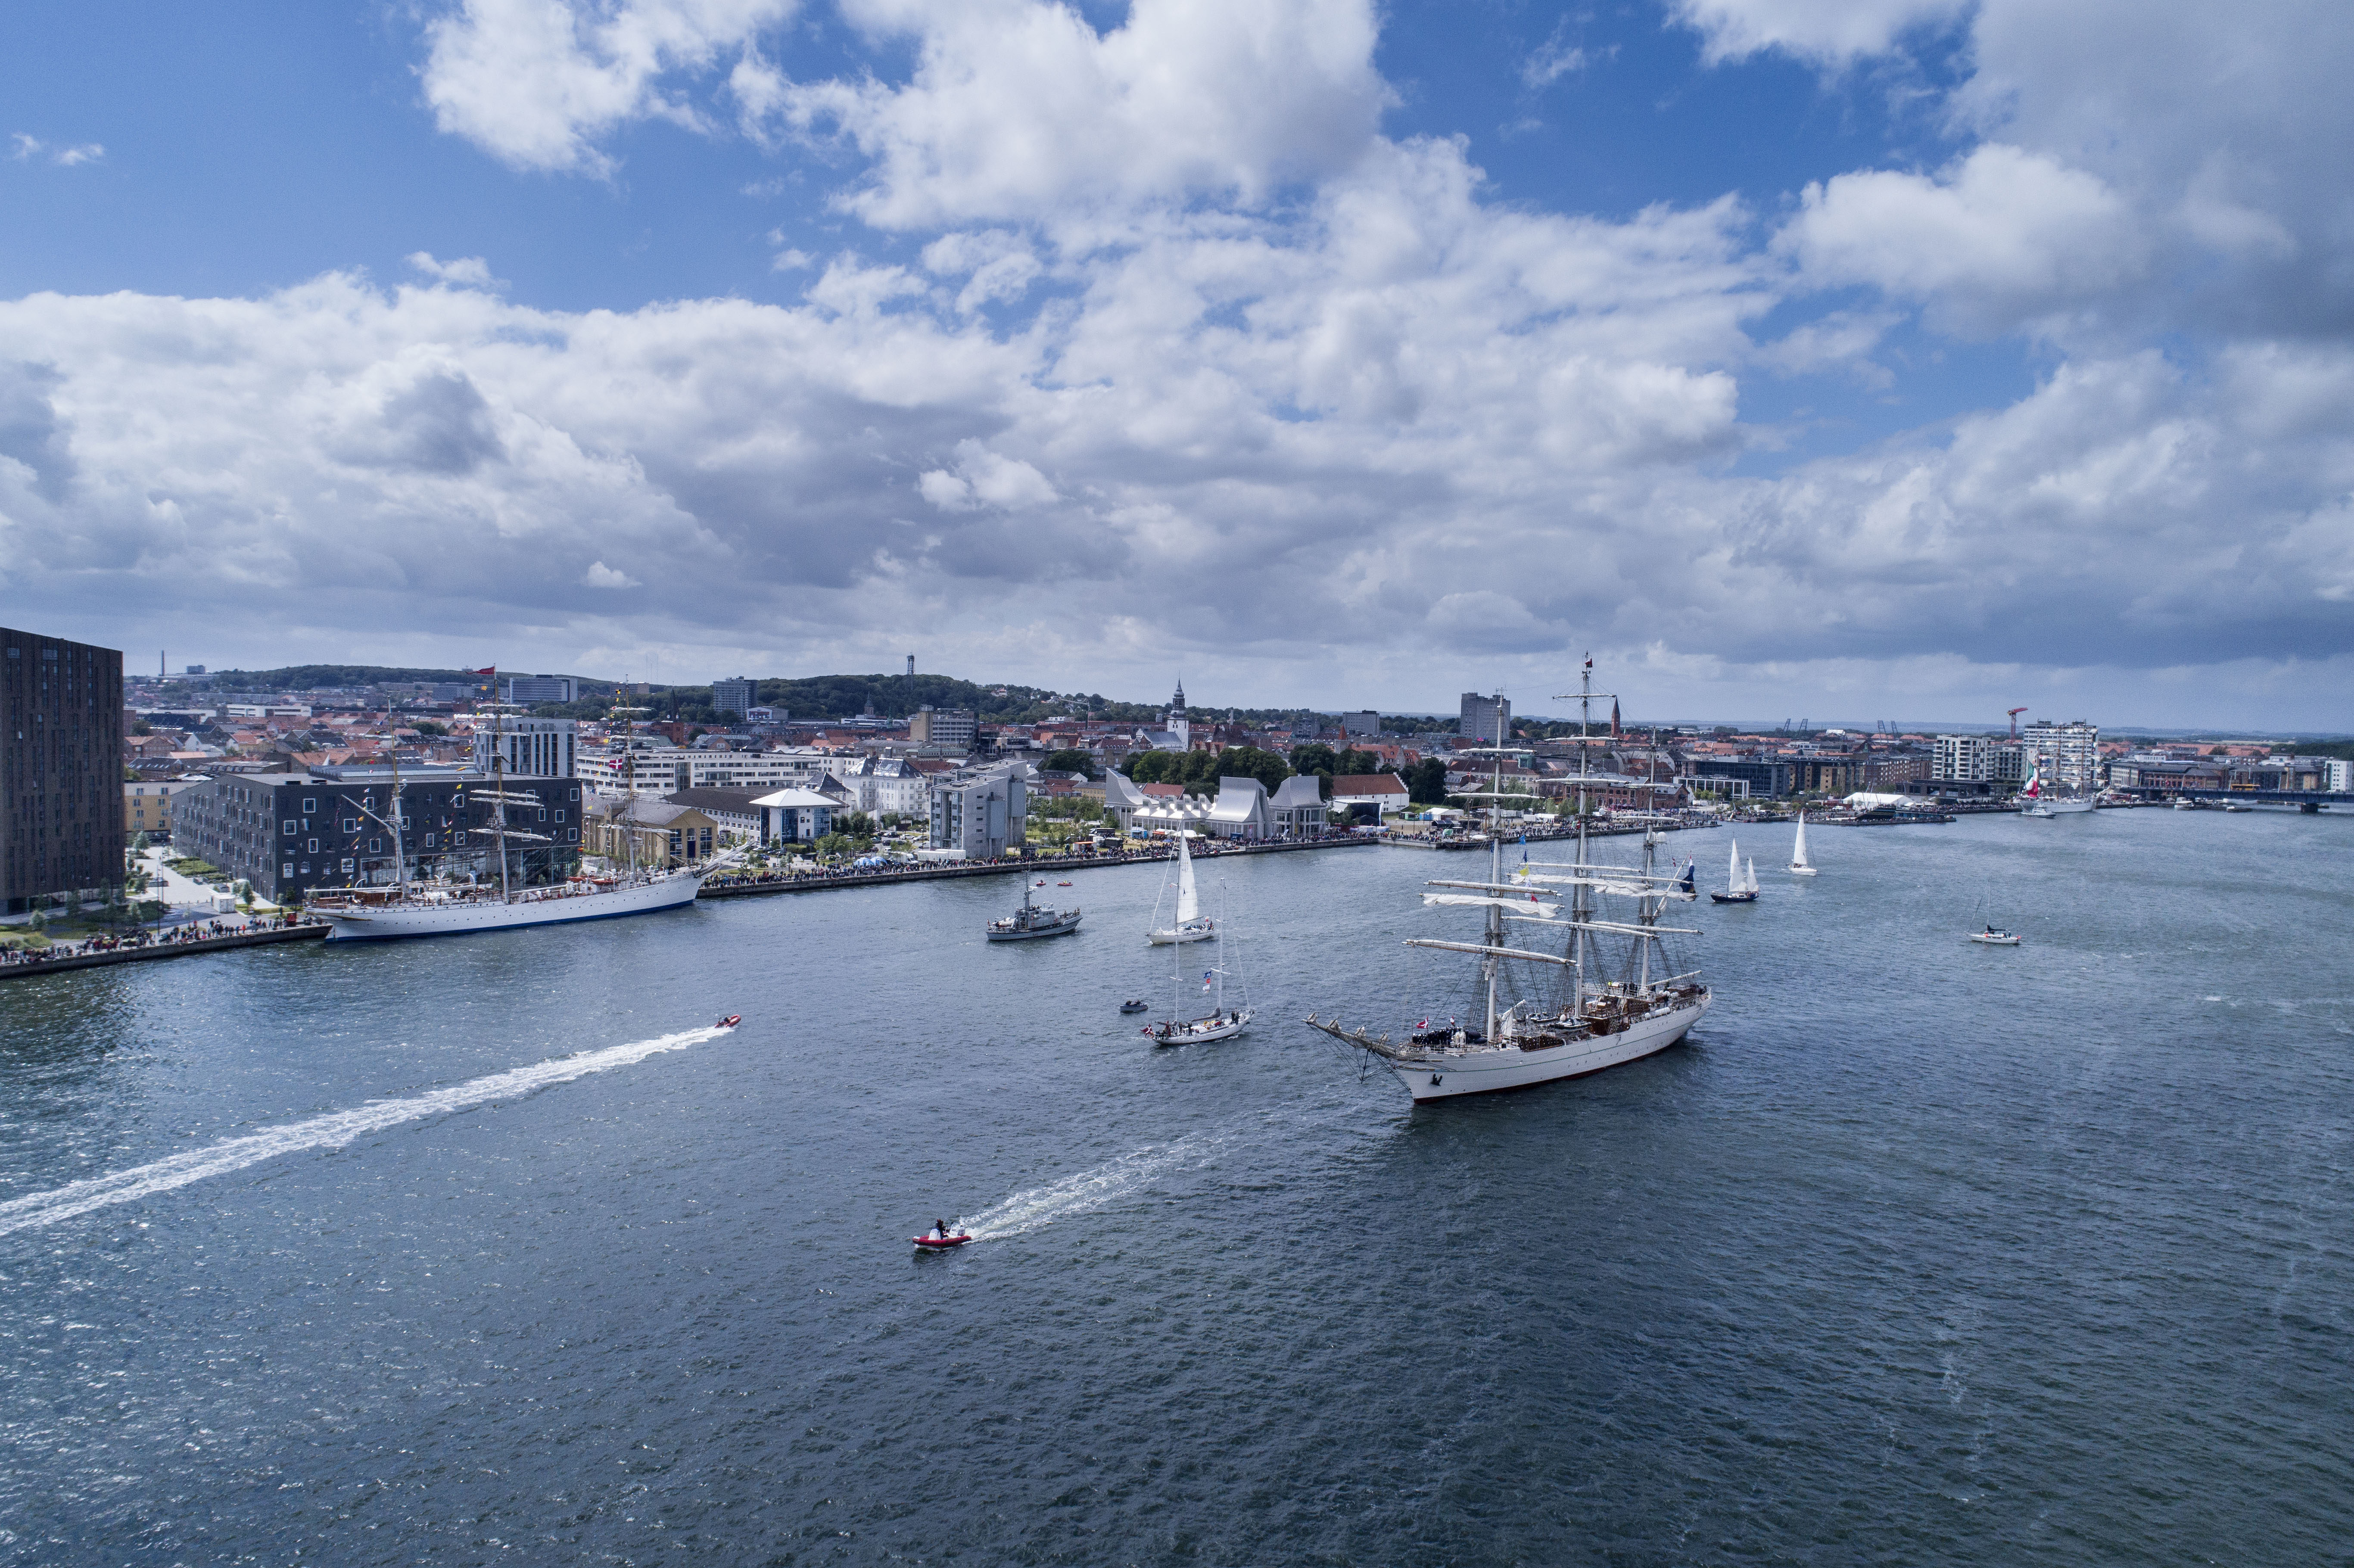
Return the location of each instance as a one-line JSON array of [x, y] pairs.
[[2057, 808], [1180, 934], [461, 917], [1488, 1072]]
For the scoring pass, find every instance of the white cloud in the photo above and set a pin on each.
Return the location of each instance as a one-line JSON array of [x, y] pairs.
[[601, 575], [2000, 238], [1557, 57], [28, 147], [1832, 32], [535, 82], [466, 271], [1020, 110]]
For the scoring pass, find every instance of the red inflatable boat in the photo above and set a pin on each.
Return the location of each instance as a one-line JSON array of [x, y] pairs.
[[942, 1244]]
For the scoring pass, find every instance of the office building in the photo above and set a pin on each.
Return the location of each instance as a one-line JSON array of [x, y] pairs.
[[532, 747], [1962, 758], [944, 726], [147, 807], [1484, 718], [1365, 722], [737, 696], [984, 815], [532, 690], [60, 769]]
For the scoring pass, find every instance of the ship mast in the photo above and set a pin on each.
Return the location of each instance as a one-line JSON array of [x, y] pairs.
[[499, 785]]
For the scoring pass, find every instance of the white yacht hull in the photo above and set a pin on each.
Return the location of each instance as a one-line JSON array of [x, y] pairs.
[[1201, 933], [539, 907], [1478, 1071], [1201, 1030], [2056, 809]]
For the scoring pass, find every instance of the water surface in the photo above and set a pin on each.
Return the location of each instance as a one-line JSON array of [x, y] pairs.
[[1918, 1251]]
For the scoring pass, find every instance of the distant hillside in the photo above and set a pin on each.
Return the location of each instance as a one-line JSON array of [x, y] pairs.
[[806, 697]]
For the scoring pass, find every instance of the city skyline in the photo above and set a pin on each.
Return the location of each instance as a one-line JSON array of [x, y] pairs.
[[1906, 355]]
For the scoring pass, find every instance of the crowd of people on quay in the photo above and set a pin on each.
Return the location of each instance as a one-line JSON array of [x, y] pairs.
[[1138, 850], [145, 937]]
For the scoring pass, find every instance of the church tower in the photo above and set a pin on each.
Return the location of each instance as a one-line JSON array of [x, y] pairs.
[[1178, 726]]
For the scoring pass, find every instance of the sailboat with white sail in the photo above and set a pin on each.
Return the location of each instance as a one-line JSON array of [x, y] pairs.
[[1550, 1015], [1191, 925], [1799, 864], [1224, 1021], [1739, 888]]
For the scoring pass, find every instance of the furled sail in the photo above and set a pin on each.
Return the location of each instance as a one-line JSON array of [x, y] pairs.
[[1478, 901]]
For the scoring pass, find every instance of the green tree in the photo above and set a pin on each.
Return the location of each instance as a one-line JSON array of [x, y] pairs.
[[1250, 762], [1426, 782], [1357, 762], [1071, 761], [1158, 767], [1314, 757]]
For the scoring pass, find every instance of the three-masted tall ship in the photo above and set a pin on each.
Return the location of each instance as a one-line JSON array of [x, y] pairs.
[[1599, 993], [445, 909]]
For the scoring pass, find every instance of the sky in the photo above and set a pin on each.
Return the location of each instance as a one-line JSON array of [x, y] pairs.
[[1886, 359]]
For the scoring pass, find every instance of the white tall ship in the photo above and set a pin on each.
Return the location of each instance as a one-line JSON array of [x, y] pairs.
[[409, 908], [1549, 1015], [2039, 799], [1190, 926]]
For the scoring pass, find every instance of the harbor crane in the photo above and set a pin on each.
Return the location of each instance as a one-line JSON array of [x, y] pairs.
[[2014, 722]]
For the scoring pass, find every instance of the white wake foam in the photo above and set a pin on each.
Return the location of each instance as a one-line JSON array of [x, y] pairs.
[[1036, 1207], [331, 1132]]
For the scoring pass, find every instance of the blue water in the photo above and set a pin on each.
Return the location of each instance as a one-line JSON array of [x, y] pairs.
[[1917, 1252]]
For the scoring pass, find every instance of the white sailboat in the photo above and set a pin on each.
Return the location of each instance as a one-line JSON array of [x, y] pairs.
[[1738, 889], [1223, 1022], [1799, 864], [1598, 1019], [1190, 926]]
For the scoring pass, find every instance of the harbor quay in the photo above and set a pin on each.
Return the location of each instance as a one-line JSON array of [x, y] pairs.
[[820, 881]]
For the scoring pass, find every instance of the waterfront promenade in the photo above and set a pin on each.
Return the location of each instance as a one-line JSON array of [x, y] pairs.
[[742, 886], [140, 945]]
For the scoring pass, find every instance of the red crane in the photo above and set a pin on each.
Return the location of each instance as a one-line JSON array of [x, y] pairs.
[[2014, 722]]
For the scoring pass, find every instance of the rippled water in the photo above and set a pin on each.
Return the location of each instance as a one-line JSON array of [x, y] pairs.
[[1918, 1251]]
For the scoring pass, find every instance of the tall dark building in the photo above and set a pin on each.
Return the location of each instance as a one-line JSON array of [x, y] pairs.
[[60, 768]]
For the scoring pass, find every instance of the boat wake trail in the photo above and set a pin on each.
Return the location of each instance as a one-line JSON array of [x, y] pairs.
[[1028, 1210], [331, 1132]]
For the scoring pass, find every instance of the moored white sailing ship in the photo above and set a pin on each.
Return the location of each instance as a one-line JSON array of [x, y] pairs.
[[2039, 799], [448, 909], [1599, 1020]]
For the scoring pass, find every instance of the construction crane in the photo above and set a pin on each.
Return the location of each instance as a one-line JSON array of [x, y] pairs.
[[2014, 722]]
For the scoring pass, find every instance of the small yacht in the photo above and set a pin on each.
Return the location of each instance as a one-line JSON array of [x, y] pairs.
[[1799, 864], [1994, 937]]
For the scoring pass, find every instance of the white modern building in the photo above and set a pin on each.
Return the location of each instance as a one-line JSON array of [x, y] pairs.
[[794, 816], [980, 815], [1962, 758], [532, 747], [663, 769]]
